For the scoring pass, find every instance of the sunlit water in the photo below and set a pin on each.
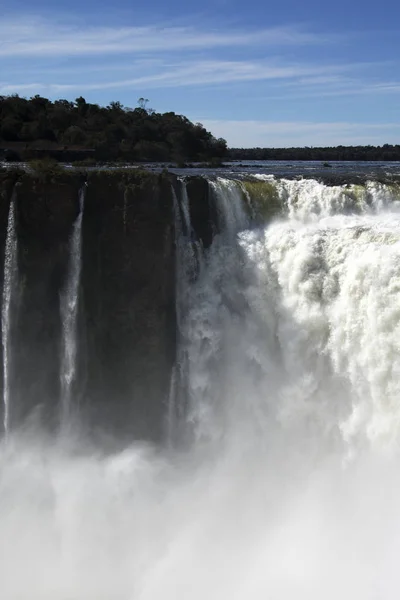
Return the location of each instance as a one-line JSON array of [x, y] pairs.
[[286, 482]]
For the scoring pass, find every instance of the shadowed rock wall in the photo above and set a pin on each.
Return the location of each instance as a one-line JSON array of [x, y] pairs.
[[126, 318], [45, 212], [7, 186], [128, 300]]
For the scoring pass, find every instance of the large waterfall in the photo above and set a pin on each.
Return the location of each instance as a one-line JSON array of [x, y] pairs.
[[280, 479]]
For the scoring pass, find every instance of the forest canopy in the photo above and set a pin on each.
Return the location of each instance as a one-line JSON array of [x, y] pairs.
[[37, 126], [68, 131]]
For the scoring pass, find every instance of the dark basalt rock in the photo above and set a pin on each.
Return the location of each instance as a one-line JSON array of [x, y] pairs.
[[45, 212], [8, 179], [201, 209], [128, 300], [126, 318]]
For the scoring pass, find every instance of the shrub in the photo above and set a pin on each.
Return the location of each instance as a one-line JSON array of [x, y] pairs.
[[45, 169]]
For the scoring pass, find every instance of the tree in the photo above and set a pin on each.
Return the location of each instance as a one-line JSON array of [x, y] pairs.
[[113, 131], [116, 106], [143, 102], [81, 105], [9, 129], [74, 135]]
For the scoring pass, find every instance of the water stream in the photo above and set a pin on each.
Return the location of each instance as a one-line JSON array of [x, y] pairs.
[[9, 288], [69, 312]]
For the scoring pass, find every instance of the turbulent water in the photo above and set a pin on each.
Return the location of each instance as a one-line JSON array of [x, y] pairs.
[[281, 477]]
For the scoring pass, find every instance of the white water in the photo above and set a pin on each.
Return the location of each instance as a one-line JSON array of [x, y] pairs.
[[307, 199], [291, 487], [228, 196], [69, 312], [10, 278]]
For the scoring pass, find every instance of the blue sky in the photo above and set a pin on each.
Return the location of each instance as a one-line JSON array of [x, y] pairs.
[[257, 73]]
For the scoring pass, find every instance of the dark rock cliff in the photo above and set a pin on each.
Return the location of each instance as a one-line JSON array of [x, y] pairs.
[[126, 320], [45, 212], [128, 300], [201, 209], [7, 186]]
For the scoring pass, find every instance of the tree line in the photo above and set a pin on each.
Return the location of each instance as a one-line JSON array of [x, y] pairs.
[[386, 152], [37, 127]]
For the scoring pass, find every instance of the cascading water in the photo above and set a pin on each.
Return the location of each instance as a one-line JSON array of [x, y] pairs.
[[331, 270], [10, 278], [231, 212], [289, 365], [185, 265], [69, 305]]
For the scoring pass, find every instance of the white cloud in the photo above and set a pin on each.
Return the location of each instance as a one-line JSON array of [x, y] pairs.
[[63, 58], [190, 73], [270, 134], [340, 86], [38, 37]]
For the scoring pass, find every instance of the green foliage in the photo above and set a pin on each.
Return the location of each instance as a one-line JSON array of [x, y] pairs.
[[45, 169], [63, 130], [86, 162], [264, 198]]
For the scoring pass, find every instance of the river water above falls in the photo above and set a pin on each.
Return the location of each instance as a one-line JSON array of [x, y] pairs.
[[277, 475]]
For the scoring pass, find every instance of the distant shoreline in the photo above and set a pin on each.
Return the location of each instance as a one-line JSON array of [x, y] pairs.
[[385, 153]]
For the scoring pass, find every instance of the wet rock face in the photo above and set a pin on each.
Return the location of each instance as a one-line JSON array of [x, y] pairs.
[[45, 212], [128, 301], [202, 211], [126, 317], [7, 183]]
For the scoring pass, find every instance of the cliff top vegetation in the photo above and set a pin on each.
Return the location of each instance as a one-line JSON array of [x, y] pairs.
[[37, 127]]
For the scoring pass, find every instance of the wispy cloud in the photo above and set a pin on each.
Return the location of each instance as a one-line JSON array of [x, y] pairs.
[[271, 68], [302, 133], [189, 73], [164, 57], [38, 37], [339, 80]]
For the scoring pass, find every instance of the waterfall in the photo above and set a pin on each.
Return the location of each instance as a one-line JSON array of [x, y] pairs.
[[229, 200], [213, 314], [9, 283], [337, 301], [188, 260], [69, 305], [308, 199], [300, 306], [187, 252], [286, 390]]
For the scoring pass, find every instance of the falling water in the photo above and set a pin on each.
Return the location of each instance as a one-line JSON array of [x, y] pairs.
[[69, 311], [229, 199], [290, 488], [10, 278], [215, 304], [188, 260]]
